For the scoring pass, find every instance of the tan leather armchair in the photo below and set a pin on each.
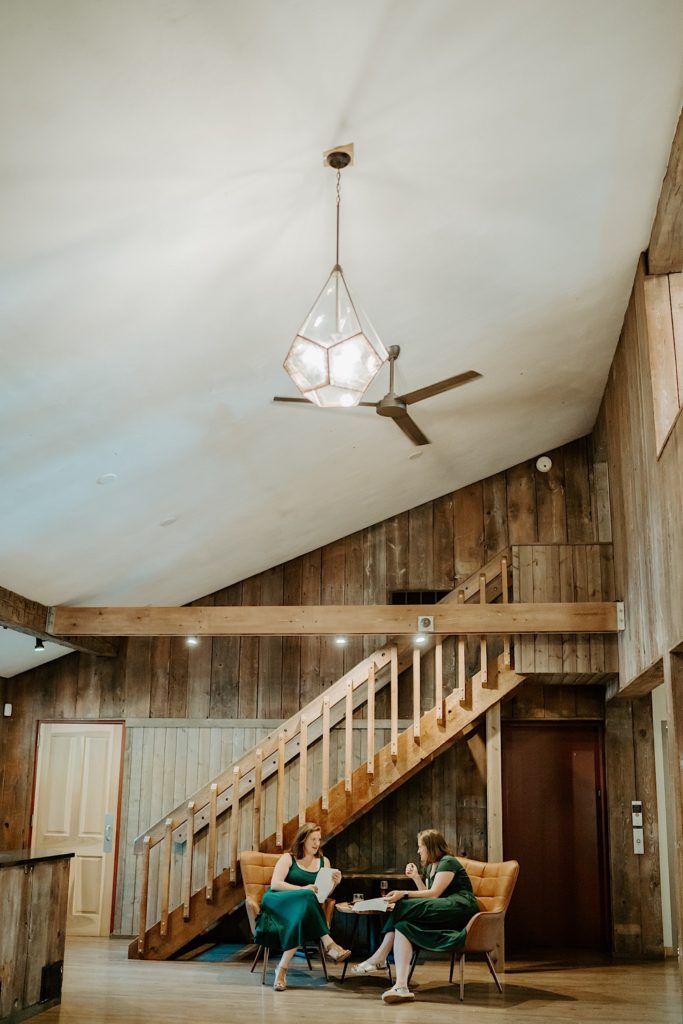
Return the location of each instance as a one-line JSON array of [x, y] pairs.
[[257, 870], [493, 885]]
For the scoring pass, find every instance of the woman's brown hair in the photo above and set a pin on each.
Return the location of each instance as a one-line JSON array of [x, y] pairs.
[[435, 844], [303, 832]]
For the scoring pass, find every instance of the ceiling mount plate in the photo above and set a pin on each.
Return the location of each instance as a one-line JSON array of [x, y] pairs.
[[339, 157]]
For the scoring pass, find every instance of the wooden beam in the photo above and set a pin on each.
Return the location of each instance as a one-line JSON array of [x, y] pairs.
[[328, 620], [30, 617], [665, 254]]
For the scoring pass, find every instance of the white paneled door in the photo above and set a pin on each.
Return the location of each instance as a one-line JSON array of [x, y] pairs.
[[77, 788]]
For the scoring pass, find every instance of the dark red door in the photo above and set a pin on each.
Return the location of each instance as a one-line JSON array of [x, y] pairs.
[[553, 824]]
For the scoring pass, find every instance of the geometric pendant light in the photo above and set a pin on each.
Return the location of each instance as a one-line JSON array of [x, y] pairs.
[[336, 353]]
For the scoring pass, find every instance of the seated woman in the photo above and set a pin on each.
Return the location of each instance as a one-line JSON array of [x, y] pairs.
[[290, 913], [433, 918]]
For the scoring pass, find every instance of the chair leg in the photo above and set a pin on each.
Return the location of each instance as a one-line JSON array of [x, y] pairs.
[[462, 977], [450, 973], [493, 972], [413, 961], [266, 954], [323, 961], [308, 959], [259, 950]]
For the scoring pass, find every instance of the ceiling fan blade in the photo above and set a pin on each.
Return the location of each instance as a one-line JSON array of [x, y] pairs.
[[436, 389], [411, 429], [305, 401]]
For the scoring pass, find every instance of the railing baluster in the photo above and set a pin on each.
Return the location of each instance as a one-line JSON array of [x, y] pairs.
[[187, 861], [416, 695], [257, 799], [462, 679], [507, 660], [326, 755], [211, 844], [348, 738], [483, 656], [394, 702], [303, 768], [280, 800], [166, 876], [371, 720], [438, 681], [142, 935], [234, 823]]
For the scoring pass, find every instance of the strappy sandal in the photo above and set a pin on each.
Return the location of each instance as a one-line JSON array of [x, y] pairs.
[[398, 995], [337, 953], [367, 967], [280, 983]]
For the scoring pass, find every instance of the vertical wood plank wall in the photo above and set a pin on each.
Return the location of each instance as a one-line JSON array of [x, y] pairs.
[[429, 547], [647, 522], [565, 572], [647, 500], [261, 679]]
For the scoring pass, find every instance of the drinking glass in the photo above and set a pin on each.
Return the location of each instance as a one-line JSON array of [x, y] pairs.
[[383, 887]]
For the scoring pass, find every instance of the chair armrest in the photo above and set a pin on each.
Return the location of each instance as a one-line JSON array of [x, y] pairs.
[[484, 932], [328, 911]]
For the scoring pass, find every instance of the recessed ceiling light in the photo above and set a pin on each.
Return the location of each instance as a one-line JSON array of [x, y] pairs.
[[169, 521], [340, 640], [416, 455], [192, 641], [107, 478], [420, 639]]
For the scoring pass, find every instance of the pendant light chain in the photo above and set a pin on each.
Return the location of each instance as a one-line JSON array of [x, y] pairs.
[[338, 208]]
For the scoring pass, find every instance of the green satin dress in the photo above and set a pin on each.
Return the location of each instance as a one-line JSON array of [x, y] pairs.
[[437, 924], [291, 918]]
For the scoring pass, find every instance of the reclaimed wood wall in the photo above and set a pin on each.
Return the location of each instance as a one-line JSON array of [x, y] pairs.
[[647, 524], [565, 572], [647, 502], [430, 547], [264, 679]]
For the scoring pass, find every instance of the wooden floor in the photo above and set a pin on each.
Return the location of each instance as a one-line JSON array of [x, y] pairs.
[[102, 985]]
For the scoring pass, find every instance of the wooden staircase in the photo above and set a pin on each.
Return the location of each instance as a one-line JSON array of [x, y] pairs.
[[230, 813]]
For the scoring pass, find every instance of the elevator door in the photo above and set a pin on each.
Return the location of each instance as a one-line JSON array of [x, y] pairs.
[[554, 825]]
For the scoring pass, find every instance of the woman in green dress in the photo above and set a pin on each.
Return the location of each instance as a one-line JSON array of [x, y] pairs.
[[433, 918], [290, 913]]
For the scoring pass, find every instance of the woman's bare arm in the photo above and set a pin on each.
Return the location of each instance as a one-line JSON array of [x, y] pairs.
[[278, 883], [413, 872], [442, 880]]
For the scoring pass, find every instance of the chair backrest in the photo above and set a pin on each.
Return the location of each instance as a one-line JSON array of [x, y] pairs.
[[492, 883], [257, 870]]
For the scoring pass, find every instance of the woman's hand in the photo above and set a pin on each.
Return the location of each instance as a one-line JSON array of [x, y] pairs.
[[336, 877], [395, 895], [313, 887], [412, 870]]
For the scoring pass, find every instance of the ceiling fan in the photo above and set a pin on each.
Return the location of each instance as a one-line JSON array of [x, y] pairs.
[[396, 406]]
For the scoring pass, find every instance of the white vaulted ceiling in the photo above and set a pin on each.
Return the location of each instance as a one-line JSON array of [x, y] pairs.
[[166, 222]]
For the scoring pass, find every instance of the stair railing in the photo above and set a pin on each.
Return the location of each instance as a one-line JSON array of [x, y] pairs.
[[253, 776]]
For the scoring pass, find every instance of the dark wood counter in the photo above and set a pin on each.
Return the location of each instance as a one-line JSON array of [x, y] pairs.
[[34, 892]]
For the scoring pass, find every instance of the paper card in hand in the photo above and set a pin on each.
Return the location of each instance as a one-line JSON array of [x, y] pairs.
[[324, 883]]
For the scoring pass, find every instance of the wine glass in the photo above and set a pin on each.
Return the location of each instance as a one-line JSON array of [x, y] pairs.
[[383, 888]]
